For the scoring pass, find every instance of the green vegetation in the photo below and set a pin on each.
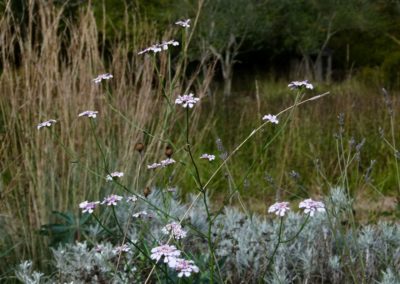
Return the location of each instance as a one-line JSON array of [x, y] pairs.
[[53, 50]]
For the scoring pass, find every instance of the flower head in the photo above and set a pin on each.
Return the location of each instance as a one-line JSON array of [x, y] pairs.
[[114, 175], [153, 166], [300, 85], [271, 118], [158, 47], [279, 208], [167, 162], [102, 77], [89, 113], [186, 100], [208, 157], [310, 206], [88, 206], [47, 123], [122, 248], [175, 229], [132, 199], [183, 266], [170, 253], [140, 214], [162, 164], [111, 200], [183, 23]]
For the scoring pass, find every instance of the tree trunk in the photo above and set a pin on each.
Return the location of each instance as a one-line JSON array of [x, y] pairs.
[[227, 75]]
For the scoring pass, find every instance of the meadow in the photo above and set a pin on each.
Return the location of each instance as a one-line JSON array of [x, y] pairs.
[[335, 143]]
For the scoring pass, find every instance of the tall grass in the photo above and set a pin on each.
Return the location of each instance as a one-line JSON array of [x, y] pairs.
[[47, 73]]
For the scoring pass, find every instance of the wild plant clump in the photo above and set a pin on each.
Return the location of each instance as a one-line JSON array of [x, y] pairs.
[[291, 248]]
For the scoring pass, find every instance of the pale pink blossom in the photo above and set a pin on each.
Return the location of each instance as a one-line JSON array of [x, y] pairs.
[[208, 157], [132, 199], [102, 77], [140, 214], [175, 229], [47, 123], [122, 248], [170, 253], [112, 200], [89, 113], [271, 118], [161, 164], [153, 166], [310, 206], [88, 206], [114, 175], [187, 100], [158, 47], [279, 208], [167, 162], [183, 23], [300, 84], [183, 267]]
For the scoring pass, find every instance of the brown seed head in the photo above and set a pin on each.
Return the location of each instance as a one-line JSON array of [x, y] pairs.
[[146, 191], [169, 151], [139, 147]]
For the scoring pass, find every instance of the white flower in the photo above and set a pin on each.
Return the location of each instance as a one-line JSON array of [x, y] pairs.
[[153, 166], [175, 229], [300, 84], [170, 253], [113, 175], [161, 164], [279, 208], [47, 123], [208, 157], [164, 44], [183, 266], [186, 100], [183, 23], [310, 206], [167, 162], [101, 77], [88, 206], [140, 214], [271, 118], [89, 113], [132, 199], [111, 200], [122, 248], [158, 47]]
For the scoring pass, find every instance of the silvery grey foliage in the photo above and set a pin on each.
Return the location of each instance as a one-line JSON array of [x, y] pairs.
[[326, 250], [25, 274]]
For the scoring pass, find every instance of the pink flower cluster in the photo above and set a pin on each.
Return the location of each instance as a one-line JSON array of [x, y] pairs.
[[183, 23], [174, 229], [111, 200], [158, 47], [102, 77], [161, 164], [170, 255], [208, 157], [186, 100], [114, 175], [310, 207], [47, 123], [271, 118], [300, 84]]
